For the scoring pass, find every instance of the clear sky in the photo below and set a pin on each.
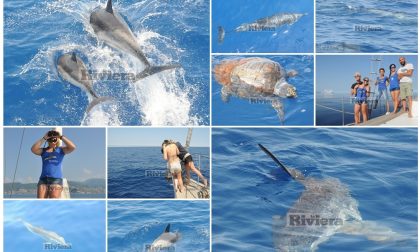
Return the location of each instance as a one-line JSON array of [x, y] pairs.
[[155, 136], [86, 162], [336, 72]]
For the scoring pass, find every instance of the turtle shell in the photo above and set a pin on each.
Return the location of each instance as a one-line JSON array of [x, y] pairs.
[[259, 74]]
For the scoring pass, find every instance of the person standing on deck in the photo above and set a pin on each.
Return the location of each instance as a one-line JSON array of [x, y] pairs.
[[394, 86], [382, 82], [50, 183], [357, 76], [362, 92], [406, 85]]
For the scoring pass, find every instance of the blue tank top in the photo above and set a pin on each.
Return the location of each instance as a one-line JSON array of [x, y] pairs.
[[51, 163], [361, 94], [393, 81], [382, 82]]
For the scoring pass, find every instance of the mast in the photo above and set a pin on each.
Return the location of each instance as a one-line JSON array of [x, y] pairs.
[[188, 140]]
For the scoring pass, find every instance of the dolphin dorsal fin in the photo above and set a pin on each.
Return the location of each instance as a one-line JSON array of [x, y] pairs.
[[73, 57], [167, 229], [109, 7], [275, 160]]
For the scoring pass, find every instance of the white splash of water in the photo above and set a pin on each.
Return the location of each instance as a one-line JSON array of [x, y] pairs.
[[162, 99]]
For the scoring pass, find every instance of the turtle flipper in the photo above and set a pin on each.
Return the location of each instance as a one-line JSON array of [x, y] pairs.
[[226, 93], [278, 106], [292, 73]]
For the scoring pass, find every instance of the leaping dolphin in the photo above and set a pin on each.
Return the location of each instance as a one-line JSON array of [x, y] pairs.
[[72, 69], [323, 209], [48, 236], [111, 28], [165, 240], [263, 24]]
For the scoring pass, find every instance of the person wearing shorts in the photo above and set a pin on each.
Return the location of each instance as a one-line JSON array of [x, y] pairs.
[[50, 184], [170, 154], [394, 86], [188, 161], [406, 84], [362, 93]]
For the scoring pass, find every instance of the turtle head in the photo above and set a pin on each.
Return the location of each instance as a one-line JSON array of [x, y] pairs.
[[284, 89]]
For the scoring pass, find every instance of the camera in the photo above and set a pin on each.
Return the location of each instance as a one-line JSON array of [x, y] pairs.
[[53, 136]]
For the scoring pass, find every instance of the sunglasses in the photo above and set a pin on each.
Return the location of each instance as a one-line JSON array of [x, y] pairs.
[[366, 80]]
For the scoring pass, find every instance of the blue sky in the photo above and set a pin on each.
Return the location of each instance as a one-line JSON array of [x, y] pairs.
[[155, 136], [87, 161], [336, 72]]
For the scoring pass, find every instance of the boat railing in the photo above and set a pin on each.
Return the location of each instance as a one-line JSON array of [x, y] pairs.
[[201, 162], [343, 109]]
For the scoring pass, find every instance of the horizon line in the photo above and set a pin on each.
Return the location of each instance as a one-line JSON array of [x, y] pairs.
[[152, 146]]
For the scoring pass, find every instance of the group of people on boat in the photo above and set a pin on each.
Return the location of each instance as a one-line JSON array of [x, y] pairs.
[[175, 154], [400, 85]]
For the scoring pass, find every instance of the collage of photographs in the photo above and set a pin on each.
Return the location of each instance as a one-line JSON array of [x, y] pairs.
[[210, 125]]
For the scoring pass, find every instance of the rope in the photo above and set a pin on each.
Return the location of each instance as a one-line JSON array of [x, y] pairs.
[[17, 163], [335, 109]]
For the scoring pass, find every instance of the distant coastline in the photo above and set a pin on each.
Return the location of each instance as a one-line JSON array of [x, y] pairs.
[[90, 186]]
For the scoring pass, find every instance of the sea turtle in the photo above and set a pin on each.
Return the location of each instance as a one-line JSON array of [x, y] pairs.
[[255, 79]]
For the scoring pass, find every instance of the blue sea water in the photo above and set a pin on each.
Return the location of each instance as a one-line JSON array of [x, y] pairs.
[[296, 38], [72, 195], [240, 111], [36, 33], [132, 225], [378, 165], [81, 223], [139, 172], [387, 26]]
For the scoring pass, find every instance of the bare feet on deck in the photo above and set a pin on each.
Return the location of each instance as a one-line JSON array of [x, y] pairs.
[[181, 189]]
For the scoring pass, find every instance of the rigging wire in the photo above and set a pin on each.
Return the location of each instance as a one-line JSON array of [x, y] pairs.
[[17, 163]]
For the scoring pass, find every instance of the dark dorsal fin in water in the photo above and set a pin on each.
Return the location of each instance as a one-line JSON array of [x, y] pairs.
[[73, 57], [220, 34], [167, 229], [109, 7], [275, 160]]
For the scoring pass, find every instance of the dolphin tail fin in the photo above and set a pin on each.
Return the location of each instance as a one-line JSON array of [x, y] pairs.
[[220, 34], [168, 228], [155, 69], [372, 230], [97, 101]]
